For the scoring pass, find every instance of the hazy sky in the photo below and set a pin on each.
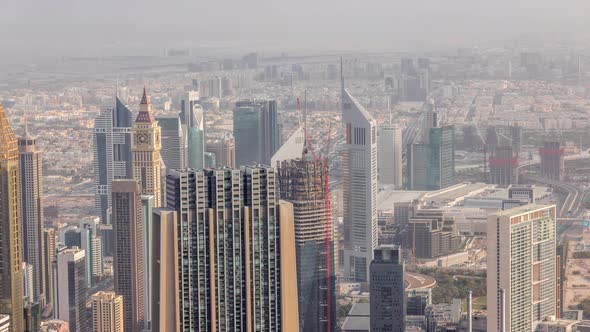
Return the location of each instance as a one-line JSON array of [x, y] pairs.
[[69, 26]]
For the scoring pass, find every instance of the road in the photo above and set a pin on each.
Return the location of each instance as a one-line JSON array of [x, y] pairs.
[[573, 206]]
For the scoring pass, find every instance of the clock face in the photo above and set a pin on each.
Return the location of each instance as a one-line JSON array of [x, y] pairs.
[[142, 138]]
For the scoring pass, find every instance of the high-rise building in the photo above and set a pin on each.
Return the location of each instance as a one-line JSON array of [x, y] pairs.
[[224, 150], [31, 177], [256, 131], [145, 148], [11, 288], [112, 160], [303, 183], [4, 323], [28, 282], [249, 280], [165, 280], [107, 312], [503, 166], [128, 265], [72, 288], [192, 118], [388, 296], [173, 147], [522, 261], [390, 155], [360, 187], [48, 267], [552, 160], [84, 236], [147, 206], [431, 166]]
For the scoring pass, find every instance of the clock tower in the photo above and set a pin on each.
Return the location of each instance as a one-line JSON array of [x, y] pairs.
[[145, 148]]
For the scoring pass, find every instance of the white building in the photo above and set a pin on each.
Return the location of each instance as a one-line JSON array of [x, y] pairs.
[[360, 188], [521, 261]]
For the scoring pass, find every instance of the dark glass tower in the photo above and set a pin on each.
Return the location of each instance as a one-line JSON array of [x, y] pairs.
[[256, 131], [388, 297]]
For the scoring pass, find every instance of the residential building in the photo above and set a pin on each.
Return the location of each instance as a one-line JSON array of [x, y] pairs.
[[165, 272], [521, 261], [249, 286], [107, 312], [147, 206], [31, 177], [128, 265], [11, 292], [49, 263]]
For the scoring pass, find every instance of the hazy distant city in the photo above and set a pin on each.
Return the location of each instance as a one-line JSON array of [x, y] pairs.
[[304, 166]]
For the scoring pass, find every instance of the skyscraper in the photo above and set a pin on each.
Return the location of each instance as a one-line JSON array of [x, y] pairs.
[[145, 148], [244, 282], [165, 280], [128, 265], [552, 160], [49, 262], [107, 312], [147, 206], [522, 262], [11, 288], [303, 183], [256, 131], [359, 163], [192, 118], [390, 155], [84, 237], [431, 166], [388, 296], [31, 178], [112, 159], [224, 150], [72, 288], [173, 147]]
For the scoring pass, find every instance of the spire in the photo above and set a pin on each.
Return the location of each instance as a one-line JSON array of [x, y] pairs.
[[144, 98], [145, 112], [8, 142]]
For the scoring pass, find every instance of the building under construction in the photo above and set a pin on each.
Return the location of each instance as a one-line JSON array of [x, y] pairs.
[[503, 166], [503, 145], [552, 162], [303, 183]]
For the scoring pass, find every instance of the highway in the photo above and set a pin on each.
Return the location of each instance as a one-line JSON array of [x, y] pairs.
[[573, 206]]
